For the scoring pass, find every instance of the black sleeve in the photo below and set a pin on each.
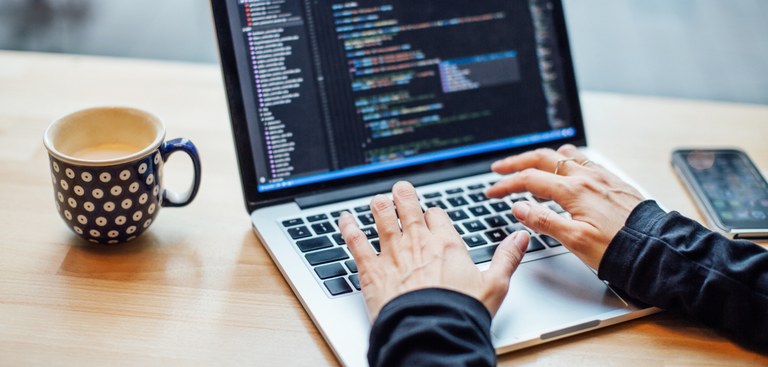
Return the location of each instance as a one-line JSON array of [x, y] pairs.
[[672, 262], [432, 327]]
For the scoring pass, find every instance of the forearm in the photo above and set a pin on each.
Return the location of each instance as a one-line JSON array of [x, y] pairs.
[[674, 263], [432, 327]]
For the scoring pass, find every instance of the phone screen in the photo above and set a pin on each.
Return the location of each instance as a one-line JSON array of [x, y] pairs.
[[733, 186]]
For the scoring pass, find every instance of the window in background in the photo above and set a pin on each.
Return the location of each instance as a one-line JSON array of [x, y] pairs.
[[157, 29], [704, 49]]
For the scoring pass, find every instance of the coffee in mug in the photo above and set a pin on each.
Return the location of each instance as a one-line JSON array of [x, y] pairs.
[[107, 168]]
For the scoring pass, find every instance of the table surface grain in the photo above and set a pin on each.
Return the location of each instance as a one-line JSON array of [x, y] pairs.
[[200, 289]]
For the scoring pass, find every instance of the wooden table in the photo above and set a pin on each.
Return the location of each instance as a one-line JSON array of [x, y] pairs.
[[199, 288]]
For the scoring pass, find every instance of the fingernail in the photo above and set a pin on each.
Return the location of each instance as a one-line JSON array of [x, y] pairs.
[[379, 201], [520, 210], [401, 183], [495, 165], [520, 239]]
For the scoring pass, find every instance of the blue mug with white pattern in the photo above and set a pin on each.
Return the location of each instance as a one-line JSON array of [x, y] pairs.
[[107, 170]]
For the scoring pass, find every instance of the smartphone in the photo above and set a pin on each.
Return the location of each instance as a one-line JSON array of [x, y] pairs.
[[728, 189]]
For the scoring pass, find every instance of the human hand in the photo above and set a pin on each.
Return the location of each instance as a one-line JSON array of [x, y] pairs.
[[426, 253], [598, 201]]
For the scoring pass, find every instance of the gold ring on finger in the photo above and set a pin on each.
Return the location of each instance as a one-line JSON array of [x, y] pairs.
[[586, 162], [560, 162]]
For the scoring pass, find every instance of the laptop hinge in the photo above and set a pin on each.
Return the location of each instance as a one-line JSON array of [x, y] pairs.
[[381, 186]]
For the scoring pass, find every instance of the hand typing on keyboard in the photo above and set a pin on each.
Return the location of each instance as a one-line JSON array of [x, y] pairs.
[[598, 201], [426, 253]]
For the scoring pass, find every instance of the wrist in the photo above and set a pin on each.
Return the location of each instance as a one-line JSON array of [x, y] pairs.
[[442, 297], [618, 256]]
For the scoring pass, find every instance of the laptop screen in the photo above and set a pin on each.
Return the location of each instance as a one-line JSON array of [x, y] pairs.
[[334, 90]]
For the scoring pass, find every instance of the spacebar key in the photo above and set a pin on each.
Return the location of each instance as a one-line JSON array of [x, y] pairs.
[[326, 256], [482, 255]]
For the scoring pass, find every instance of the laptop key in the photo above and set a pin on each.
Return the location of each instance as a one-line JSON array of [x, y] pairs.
[[534, 245], [317, 217], [514, 228], [355, 280], [299, 232], [475, 187], [496, 235], [337, 286], [495, 221], [313, 244], [455, 191], [351, 265], [551, 242], [518, 199], [457, 201], [337, 213], [474, 226], [474, 240], [366, 219], [436, 203], [363, 209], [457, 215], [370, 232], [500, 206], [483, 254], [512, 218], [432, 195], [292, 222], [330, 271], [376, 245], [458, 229], [479, 211], [323, 228], [326, 256], [339, 240], [478, 197]]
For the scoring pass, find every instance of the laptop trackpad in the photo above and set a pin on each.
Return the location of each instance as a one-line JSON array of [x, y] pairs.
[[551, 293]]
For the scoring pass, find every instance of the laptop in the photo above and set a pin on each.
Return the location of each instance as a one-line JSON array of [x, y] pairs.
[[332, 102]]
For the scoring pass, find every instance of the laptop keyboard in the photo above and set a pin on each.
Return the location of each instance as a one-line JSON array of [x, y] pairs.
[[483, 223]]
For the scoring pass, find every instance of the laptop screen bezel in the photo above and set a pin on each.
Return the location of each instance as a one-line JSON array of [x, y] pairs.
[[255, 199]]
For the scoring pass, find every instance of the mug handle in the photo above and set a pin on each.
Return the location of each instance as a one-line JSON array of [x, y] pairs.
[[171, 198]]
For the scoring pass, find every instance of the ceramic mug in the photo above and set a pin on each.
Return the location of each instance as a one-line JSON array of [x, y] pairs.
[[107, 169]]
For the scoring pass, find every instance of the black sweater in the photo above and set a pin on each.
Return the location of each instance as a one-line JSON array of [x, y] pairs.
[[665, 260]]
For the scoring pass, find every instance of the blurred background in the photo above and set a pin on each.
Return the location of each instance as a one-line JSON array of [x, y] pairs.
[[701, 49]]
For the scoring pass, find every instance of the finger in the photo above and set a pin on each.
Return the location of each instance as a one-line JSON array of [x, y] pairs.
[[543, 159], [386, 220], [543, 220], [441, 226], [541, 184], [506, 259], [570, 151], [438, 221], [408, 207], [356, 241]]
